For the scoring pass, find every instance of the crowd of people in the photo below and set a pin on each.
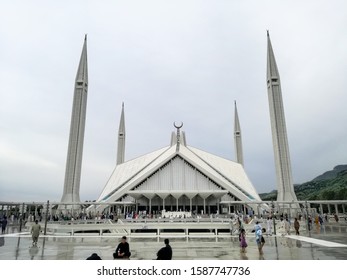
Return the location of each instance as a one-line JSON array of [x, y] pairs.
[[285, 226]]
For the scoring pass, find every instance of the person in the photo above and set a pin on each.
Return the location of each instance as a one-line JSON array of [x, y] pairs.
[[165, 253], [3, 224], [260, 240], [309, 222], [93, 256], [257, 227], [296, 226], [122, 250], [269, 226], [243, 242], [239, 223], [35, 232], [326, 217], [259, 236], [287, 226], [336, 218]]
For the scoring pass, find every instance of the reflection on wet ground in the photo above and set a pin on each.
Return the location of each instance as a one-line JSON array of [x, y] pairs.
[[310, 247]]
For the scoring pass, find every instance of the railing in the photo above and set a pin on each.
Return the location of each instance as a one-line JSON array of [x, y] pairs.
[[45, 211]]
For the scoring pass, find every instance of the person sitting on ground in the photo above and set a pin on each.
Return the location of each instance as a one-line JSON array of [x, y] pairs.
[[165, 253], [93, 256], [123, 250]]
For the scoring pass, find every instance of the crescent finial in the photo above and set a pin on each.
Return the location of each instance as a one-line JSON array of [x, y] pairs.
[[178, 126]]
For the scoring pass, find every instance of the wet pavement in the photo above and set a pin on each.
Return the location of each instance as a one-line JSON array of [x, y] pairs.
[[328, 242]]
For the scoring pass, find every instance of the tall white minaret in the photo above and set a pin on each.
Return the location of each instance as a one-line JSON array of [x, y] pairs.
[[75, 149], [285, 185], [121, 138], [237, 138]]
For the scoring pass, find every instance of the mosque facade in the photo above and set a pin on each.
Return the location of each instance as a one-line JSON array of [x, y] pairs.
[[179, 177]]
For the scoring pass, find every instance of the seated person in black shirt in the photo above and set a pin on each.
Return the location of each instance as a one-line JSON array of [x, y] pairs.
[[165, 253], [94, 256], [123, 250]]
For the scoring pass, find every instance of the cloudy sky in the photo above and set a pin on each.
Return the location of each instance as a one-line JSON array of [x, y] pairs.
[[167, 61]]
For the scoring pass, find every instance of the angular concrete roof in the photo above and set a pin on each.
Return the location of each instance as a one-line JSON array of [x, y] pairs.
[[178, 170]]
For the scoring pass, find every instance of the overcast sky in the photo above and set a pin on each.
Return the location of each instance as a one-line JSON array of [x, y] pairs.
[[167, 61]]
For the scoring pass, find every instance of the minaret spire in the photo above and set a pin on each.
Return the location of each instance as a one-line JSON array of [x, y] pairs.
[[285, 185], [82, 72], [121, 138], [75, 149], [238, 138]]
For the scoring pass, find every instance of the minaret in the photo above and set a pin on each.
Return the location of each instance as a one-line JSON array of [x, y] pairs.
[[237, 138], [121, 138], [285, 185], [75, 149]]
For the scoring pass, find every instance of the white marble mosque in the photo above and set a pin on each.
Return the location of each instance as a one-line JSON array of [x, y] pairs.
[[178, 177]]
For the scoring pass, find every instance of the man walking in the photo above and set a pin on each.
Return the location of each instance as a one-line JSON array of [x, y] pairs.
[[269, 226], [296, 226], [35, 232], [3, 225]]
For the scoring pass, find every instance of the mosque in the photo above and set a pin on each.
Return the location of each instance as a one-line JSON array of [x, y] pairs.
[[178, 177]]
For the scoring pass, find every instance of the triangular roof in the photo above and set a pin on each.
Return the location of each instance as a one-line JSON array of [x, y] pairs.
[[195, 172]]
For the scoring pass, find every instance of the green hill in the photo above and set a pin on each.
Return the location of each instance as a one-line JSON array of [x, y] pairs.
[[331, 174], [331, 185]]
